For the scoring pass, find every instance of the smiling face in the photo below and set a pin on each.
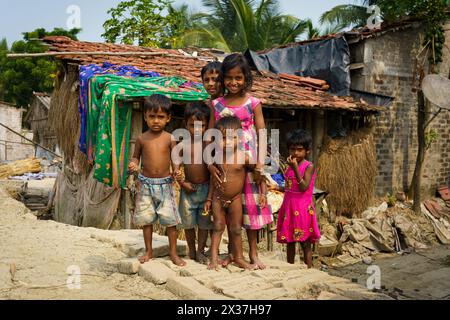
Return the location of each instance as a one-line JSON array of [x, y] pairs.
[[211, 83], [234, 81], [157, 120], [298, 152]]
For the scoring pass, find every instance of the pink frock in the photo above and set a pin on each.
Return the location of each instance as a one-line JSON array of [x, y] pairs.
[[297, 220], [254, 217]]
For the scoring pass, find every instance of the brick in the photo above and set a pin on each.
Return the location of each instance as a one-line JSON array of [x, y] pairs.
[[129, 266], [302, 280], [156, 272], [190, 289], [325, 295]]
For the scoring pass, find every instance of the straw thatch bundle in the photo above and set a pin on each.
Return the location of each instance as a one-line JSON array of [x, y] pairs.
[[20, 167], [347, 170], [65, 119]]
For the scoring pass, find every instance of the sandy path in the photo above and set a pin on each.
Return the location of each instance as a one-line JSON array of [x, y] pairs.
[[41, 252]]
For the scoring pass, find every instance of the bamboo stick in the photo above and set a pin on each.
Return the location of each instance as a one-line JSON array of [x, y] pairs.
[[25, 138]]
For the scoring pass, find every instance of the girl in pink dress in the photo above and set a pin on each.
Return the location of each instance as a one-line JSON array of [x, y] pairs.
[[297, 220], [236, 79]]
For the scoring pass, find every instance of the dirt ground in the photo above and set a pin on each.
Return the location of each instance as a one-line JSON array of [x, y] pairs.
[[35, 256], [420, 275]]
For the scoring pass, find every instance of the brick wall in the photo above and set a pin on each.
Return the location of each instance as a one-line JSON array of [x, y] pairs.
[[389, 69], [12, 146]]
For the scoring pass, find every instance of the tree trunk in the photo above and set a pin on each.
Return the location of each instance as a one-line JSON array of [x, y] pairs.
[[421, 120]]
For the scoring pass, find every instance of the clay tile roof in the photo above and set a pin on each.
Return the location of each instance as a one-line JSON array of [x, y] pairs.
[[274, 91]]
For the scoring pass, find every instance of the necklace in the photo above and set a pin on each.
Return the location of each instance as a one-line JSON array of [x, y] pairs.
[[225, 173]]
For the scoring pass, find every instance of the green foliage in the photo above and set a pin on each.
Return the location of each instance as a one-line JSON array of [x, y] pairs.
[[21, 76], [346, 15], [391, 200], [430, 11], [237, 25], [431, 136], [140, 22]]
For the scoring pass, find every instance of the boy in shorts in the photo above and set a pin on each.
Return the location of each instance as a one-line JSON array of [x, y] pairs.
[[195, 197], [156, 198]]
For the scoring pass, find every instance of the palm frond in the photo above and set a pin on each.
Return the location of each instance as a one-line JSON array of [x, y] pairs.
[[346, 15]]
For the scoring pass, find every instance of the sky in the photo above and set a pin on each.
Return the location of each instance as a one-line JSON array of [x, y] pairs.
[[17, 16]]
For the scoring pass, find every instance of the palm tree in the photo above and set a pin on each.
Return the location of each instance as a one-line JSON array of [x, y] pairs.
[[237, 25], [348, 15]]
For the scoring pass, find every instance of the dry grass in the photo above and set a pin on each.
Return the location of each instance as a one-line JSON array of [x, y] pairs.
[[347, 170], [20, 167], [63, 114]]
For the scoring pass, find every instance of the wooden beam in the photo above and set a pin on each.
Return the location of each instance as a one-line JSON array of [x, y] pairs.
[[83, 53], [102, 53]]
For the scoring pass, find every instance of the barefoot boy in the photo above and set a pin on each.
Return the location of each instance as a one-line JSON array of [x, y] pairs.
[[156, 198], [195, 197], [227, 196]]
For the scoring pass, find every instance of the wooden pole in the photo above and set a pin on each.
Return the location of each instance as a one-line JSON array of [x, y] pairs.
[[421, 120], [318, 134], [25, 138]]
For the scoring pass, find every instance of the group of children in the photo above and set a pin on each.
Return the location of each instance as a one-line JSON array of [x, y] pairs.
[[218, 194]]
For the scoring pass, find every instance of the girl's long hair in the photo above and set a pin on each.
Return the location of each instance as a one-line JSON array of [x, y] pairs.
[[236, 60]]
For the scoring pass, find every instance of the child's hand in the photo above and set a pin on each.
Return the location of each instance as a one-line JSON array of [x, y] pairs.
[[189, 187], [178, 176], [292, 162], [215, 173], [257, 175], [263, 201], [133, 167], [273, 187], [208, 206]]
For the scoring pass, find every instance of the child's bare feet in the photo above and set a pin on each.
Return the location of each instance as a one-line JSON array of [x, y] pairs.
[[201, 258], [214, 264], [145, 258], [241, 263], [259, 265], [227, 260], [177, 260]]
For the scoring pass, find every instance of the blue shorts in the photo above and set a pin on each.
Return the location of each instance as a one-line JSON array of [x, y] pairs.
[[156, 200], [191, 208]]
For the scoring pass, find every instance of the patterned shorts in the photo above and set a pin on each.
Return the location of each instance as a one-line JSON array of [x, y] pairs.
[[156, 200], [192, 208]]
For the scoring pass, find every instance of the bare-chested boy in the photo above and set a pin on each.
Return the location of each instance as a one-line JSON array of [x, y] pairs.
[[227, 196], [196, 195], [156, 198]]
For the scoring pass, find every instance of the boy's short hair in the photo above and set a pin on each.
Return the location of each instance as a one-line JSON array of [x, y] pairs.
[[299, 137], [199, 110], [229, 122], [157, 102], [212, 66], [237, 60]]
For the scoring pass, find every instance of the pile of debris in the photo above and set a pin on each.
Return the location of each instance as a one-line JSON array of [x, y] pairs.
[[382, 229]]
